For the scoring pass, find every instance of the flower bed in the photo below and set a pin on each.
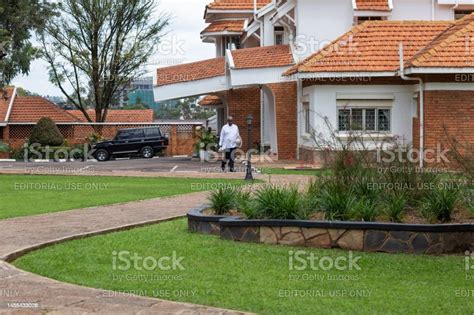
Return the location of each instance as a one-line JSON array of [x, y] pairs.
[[432, 239]]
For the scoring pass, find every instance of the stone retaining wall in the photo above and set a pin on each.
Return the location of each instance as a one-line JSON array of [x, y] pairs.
[[357, 236]]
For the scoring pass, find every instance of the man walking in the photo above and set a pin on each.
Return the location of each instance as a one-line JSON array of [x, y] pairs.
[[229, 141]]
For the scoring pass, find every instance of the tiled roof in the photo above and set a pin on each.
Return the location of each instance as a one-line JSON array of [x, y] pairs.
[[453, 48], [372, 5], [225, 25], [118, 115], [210, 100], [373, 47], [5, 98], [236, 4], [30, 109], [261, 57], [191, 71]]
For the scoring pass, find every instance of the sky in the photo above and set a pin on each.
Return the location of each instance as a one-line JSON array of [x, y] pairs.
[[181, 44]]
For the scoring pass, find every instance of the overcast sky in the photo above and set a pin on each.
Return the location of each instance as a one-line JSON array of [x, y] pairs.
[[181, 44]]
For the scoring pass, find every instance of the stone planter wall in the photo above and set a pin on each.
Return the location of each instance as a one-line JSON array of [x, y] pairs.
[[357, 236]]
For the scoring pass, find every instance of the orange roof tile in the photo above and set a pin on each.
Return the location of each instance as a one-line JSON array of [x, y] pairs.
[[191, 71], [453, 48], [372, 5], [236, 4], [5, 98], [210, 100], [30, 109], [118, 115], [373, 47], [261, 57], [225, 25]]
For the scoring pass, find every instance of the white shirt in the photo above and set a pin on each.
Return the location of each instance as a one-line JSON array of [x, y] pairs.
[[229, 137]]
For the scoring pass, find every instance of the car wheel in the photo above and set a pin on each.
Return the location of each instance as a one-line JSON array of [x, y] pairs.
[[102, 155], [147, 152]]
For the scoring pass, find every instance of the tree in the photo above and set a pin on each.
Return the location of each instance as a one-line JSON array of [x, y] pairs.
[[18, 20], [186, 109], [45, 132], [95, 48]]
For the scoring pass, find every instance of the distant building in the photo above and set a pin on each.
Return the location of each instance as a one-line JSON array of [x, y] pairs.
[[140, 91]]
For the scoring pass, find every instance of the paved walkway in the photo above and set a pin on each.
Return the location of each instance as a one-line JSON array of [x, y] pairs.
[[20, 235]]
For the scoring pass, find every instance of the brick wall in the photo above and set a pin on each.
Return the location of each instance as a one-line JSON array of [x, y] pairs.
[[285, 95], [182, 137], [241, 103], [453, 110]]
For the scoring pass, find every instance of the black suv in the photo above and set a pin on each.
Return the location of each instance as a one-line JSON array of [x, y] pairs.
[[145, 142]]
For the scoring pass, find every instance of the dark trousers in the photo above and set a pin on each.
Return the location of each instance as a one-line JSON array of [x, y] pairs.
[[229, 157]]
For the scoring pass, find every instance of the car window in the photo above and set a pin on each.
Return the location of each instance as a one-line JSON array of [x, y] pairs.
[[122, 135], [136, 133], [152, 132]]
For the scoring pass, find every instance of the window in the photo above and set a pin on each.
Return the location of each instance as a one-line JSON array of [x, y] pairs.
[[364, 119], [230, 42], [362, 19], [459, 14], [279, 35], [152, 132], [136, 133], [307, 118]]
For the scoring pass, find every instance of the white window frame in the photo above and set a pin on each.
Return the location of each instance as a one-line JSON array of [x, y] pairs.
[[307, 118], [364, 109]]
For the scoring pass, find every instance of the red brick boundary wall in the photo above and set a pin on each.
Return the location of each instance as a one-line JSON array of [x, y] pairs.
[[182, 136]]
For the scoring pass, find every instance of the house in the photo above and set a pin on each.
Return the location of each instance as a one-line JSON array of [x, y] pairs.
[[292, 64]]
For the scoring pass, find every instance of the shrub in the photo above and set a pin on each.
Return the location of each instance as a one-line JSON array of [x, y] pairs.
[[336, 201], [4, 148], [45, 132], [284, 203], [394, 206], [440, 203], [364, 210], [222, 200]]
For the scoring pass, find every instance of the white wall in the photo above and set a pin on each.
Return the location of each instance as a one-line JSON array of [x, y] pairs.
[[323, 103], [321, 21], [419, 10]]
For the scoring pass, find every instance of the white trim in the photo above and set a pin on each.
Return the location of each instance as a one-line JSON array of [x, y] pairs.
[[354, 4], [372, 13], [365, 96], [390, 4], [266, 9], [173, 123], [224, 11], [190, 88], [230, 58], [283, 10], [10, 106], [316, 75], [223, 33], [439, 70], [257, 76]]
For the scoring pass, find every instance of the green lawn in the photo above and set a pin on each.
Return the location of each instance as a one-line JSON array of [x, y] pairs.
[[282, 171], [254, 277], [24, 195]]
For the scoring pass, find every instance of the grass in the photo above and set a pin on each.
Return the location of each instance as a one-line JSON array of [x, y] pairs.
[[254, 277], [24, 195], [282, 171]]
